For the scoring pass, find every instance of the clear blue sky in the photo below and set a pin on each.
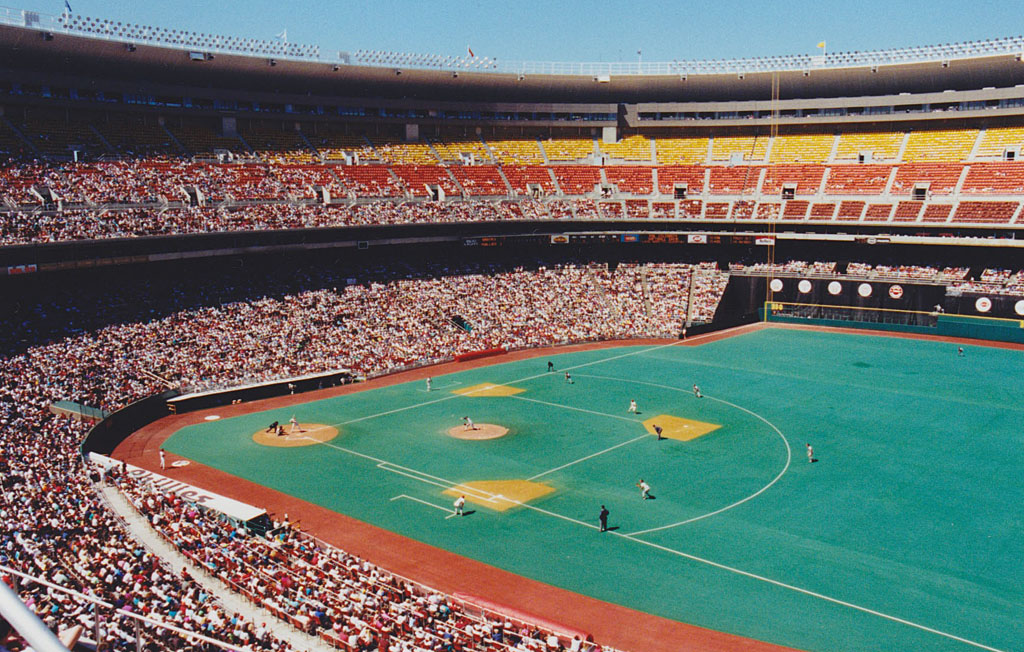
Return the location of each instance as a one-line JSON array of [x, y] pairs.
[[596, 30]]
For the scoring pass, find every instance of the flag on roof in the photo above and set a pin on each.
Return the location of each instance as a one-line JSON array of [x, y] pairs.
[[67, 5], [283, 35], [821, 45], [471, 55]]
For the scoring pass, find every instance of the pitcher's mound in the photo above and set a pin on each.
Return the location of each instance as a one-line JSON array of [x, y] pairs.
[[479, 431], [307, 435]]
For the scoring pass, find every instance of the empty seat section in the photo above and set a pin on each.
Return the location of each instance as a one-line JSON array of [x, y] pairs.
[[480, 179], [204, 141], [994, 178], [568, 149], [752, 148], [635, 180], [734, 180], [678, 151], [986, 212], [883, 145], [801, 148], [822, 211], [630, 148], [940, 177], [878, 212], [807, 178], [936, 212], [402, 153], [857, 179], [850, 210], [520, 177], [795, 210], [459, 150], [996, 140], [716, 210], [940, 145], [577, 179], [517, 152], [691, 176], [907, 211]]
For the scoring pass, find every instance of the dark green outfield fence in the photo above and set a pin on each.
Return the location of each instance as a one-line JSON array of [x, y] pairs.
[[967, 326]]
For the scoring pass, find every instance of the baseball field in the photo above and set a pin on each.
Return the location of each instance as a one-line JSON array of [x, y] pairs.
[[904, 534]]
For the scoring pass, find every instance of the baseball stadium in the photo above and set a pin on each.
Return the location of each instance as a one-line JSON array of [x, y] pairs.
[[373, 350]]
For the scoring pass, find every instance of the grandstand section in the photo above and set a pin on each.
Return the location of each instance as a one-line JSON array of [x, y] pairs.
[[180, 215]]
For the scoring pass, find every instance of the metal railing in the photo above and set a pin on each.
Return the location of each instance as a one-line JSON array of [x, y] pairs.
[[201, 43]]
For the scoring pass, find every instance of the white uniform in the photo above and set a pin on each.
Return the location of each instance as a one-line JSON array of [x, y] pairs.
[[163, 460], [295, 424], [632, 406], [645, 489], [459, 503], [469, 423], [810, 453], [428, 384]]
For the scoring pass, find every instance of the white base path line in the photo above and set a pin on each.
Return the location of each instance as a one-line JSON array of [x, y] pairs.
[[425, 478], [577, 409], [628, 537], [810, 593], [450, 512], [583, 459], [785, 468], [450, 397]]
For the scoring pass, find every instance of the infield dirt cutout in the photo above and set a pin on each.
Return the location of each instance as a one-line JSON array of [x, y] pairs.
[[679, 428], [499, 495], [488, 389], [478, 432], [307, 435]]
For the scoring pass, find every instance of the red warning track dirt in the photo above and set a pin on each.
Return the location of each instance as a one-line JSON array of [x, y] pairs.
[[610, 624]]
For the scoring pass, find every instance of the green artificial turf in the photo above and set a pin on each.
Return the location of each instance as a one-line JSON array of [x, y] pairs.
[[910, 522]]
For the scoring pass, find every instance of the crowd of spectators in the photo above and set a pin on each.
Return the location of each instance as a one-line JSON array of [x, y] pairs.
[[329, 593], [53, 525], [994, 281], [18, 227]]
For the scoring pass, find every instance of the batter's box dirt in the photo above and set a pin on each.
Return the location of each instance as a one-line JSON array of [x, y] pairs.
[[307, 434], [679, 428], [488, 389], [500, 495]]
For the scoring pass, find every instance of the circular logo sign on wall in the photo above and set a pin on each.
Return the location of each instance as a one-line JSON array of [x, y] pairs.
[[804, 286], [983, 304], [835, 287], [776, 285], [1019, 307], [896, 291], [864, 289]]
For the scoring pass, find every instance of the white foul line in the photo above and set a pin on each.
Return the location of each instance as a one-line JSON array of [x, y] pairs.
[[450, 512], [632, 537], [789, 454], [583, 459]]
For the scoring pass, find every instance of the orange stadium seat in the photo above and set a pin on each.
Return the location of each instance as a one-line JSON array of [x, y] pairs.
[[635, 180]]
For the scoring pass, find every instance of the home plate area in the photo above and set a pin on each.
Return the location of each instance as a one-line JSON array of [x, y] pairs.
[[678, 427], [499, 495]]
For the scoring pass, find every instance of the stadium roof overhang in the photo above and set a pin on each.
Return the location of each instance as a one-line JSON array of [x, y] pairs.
[[30, 50]]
